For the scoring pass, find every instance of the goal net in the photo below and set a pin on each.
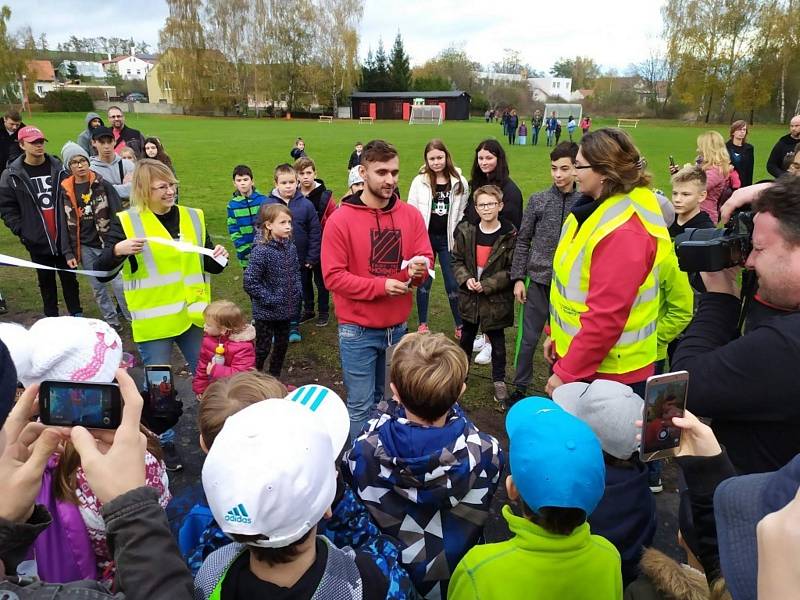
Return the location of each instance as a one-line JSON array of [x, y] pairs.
[[564, 112], [425, 115]]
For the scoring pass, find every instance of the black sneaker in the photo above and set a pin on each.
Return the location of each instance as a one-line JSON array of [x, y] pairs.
[[307, 316], [171, 457], [322, 320], [515, 397]]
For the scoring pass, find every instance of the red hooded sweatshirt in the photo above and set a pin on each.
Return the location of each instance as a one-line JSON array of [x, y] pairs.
[[362, 247]]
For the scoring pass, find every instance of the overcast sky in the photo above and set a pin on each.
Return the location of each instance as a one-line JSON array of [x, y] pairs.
[[614, 32]]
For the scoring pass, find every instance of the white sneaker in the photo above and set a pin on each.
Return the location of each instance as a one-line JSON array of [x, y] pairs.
[[479, 343], [485, 355]]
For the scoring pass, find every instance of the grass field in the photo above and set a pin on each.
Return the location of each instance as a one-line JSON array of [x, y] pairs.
[[205, 150]]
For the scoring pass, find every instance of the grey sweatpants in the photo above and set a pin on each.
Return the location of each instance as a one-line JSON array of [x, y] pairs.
[[534, 316]]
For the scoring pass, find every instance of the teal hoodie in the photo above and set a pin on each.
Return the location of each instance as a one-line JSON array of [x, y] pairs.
[[538, 564]]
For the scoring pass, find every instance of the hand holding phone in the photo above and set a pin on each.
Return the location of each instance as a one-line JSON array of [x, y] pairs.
[[71, 403], [665, 398]]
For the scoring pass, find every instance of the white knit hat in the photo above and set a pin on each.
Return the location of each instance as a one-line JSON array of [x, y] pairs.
[[63, 348]]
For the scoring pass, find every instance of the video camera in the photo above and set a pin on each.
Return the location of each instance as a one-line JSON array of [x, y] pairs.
[[707, 250]]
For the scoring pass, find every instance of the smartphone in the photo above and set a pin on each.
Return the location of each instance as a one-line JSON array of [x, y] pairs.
[[68, 403], [664, 398], [159, 385], [671, 161]]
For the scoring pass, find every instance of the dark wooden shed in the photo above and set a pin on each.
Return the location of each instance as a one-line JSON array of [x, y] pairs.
[[389, 105]]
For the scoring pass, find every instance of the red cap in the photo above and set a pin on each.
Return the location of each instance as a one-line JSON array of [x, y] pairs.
[[30, 134]]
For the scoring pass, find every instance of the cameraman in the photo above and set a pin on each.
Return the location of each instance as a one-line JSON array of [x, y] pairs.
[[749, 386]]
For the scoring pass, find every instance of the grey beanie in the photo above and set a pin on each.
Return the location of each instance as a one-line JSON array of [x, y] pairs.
[[70, 151]]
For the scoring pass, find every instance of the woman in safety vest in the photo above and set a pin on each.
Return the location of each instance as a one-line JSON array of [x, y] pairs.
[[166, 287], [604, 297]]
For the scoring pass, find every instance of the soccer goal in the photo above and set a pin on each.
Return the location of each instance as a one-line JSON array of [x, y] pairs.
[[425, 114], [564, 112]]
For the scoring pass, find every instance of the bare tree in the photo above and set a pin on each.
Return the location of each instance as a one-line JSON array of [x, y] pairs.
[[337, 46]]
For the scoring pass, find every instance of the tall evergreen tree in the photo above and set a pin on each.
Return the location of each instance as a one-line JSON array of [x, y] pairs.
[[399, 68], [367, 82], [381, 77]]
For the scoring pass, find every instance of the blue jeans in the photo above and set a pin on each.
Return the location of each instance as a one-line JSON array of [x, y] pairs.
[[363, 354], [159, 352], [439, 246], [535, 139]]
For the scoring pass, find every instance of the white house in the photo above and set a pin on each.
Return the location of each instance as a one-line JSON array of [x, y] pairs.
[[544, 88], [134, 66], [85, 68], [43, 75]]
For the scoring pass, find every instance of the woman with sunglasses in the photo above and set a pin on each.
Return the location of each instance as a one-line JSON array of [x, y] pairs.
[[166, 289], [604, 300]]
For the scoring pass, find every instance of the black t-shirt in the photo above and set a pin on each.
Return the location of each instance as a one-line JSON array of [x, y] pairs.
[[89, 235], [440, 208], [42, 184], [241, 584], [700, 221]]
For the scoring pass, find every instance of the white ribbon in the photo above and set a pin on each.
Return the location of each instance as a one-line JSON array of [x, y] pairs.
[[431, 272], [187, 247], [18, 262]]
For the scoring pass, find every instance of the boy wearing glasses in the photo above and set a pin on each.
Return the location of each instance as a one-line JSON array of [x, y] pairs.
[[90, 204], [532, 268], [482, 257]]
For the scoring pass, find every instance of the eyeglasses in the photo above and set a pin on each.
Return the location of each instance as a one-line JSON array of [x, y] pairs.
[[164, 187], [577, 166], [486, 206], [78, 161]]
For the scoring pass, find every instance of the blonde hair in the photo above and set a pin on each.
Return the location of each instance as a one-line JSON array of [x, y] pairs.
[[488, 190], [713, 151], [267, 214], [226, 314], [429, 371], [227, 396], [691, 174], [147, 172], [128, 153]]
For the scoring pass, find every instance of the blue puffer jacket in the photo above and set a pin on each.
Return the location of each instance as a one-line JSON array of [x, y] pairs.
[[306, 232], [272, 280]]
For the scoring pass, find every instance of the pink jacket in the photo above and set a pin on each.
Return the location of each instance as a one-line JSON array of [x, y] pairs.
[[715, 184], [240, 355]]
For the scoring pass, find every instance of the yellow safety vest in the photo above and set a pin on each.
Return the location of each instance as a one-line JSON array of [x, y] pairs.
[[169, 289], [636, 346]]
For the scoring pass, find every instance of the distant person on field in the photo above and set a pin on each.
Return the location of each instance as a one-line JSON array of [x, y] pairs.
[[532, 268], [124, 135], [586, 124], [243, 210], [740, 152], [523, 134], [9, 144], [299, 149], [85, 138], [557, 480], [550, 128], [558, 132], [111, 167], [511, 125], [783, 147], [375, 249], [422, 435], [355, 157], [324, 203], [536, 124], [306, 235], [31, 206], [571, 126]]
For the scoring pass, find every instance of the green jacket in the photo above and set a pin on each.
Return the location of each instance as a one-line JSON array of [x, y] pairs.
[[676, 303], [541, 565], [494, 307]]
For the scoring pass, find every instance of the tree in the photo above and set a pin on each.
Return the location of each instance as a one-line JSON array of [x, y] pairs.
[[512, 63], [434, 83], [653, 72], [452, 65], [375, 75], [399, 68], [226, 20], [292, 38], [337, 48], [582, 70], [12, 64], [43, 42]]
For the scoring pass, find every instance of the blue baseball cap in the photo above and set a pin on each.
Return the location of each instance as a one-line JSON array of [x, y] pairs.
[[555, 458]]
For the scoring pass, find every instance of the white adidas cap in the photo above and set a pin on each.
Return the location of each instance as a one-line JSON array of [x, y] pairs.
[[272, 469]]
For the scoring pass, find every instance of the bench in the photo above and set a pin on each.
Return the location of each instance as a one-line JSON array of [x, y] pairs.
[[325, 119], [627, 123], [367, 120]]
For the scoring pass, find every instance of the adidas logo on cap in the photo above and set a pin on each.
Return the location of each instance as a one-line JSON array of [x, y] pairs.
[[238, 514]]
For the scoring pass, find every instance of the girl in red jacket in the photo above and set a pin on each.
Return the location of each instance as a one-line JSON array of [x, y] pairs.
[[227, 346]]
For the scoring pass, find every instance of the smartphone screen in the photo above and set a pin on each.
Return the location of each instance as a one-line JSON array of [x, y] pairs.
[[665, 398], [159, 385], [68, 403]]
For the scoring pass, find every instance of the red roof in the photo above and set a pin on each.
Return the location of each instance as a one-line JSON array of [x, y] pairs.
[[41, 70]]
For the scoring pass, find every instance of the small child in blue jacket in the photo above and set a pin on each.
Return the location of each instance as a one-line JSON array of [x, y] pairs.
[[272, 280]]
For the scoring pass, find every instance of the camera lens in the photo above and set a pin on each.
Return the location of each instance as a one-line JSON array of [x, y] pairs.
[[106, 420]]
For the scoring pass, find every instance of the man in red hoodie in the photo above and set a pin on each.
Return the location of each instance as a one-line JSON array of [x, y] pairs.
[[375, 249]]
